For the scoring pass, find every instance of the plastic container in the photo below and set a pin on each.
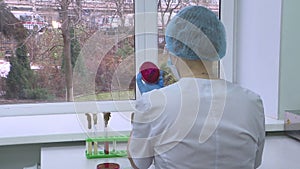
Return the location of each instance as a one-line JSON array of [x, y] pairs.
[[150, 72]]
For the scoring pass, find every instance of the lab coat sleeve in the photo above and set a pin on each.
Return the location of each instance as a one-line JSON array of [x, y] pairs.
[[261, 135], [140, 146]]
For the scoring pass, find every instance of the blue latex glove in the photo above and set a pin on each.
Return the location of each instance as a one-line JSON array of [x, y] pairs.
[[146, 87]]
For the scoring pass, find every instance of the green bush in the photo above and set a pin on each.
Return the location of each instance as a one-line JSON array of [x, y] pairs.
[[38, 94], [20, 76]]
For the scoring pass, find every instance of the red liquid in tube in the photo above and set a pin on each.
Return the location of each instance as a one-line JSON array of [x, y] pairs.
[[106, 147]]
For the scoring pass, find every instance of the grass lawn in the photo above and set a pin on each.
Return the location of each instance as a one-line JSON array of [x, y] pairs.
[[105, 96]]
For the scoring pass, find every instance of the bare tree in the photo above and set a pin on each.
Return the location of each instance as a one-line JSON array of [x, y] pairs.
[[196, 2], [65, 27], [121, 10], [70, 14], [166, 9]]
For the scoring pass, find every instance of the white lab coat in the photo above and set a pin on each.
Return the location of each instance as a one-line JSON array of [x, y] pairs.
[[198, 124]]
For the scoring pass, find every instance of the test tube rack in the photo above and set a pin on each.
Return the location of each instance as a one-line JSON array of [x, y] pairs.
[[92, 147]]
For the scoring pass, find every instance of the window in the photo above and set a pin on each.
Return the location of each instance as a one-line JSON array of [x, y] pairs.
[[44, 67], [44, 48], [141, 20]]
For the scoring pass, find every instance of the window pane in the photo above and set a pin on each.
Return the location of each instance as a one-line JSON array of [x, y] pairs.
[[166, 10], [93, 38]]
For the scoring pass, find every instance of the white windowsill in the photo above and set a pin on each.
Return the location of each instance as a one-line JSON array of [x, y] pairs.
[[67, 128], [274, 124]]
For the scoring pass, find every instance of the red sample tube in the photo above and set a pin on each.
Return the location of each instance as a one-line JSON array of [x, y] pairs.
[[106, 147]]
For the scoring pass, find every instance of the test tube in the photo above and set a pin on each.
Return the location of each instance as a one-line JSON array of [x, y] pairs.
[[106, 143], [95, 147], [89, 120], [114, 145], [95, 120], [106, 116], [89, 147]]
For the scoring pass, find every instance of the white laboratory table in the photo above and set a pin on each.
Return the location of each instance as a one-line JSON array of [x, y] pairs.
[[280, 152], [74, 157]]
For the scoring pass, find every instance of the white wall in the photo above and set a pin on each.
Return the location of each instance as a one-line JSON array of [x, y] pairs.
[[289, 96], [258, 49]]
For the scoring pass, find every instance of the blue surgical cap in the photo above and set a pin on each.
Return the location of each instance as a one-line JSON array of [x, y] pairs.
[[194, 33]]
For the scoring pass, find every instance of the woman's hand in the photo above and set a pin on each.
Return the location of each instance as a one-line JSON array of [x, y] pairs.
[[146, 87]]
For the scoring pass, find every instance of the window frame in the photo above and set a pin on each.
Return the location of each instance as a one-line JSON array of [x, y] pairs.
[[228, 17], [146, 50]]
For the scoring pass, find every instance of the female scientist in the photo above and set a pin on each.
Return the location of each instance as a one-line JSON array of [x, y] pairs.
[[199, 122]]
